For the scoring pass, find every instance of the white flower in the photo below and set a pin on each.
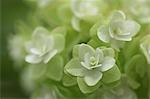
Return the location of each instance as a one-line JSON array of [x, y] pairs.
[[91, 63], [84, 8], [43, 46], [118, 30], [140, 9], [16, 48], [145, 47]]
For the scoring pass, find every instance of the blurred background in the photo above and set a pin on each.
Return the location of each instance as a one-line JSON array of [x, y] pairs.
[[11, 11]]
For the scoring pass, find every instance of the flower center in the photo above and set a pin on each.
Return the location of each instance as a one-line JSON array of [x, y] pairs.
[[92, 61]]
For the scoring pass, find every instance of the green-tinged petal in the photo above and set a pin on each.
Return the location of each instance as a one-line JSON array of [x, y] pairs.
[[39, 33], [48, 43], [69, 80], [92, 77], [108, 52], [38, 71], [84, 48], [111, 75], [75, 52], [107, 63], [55, 68], [59, 30], [49, 56], [59, 42], [76, 23], [118, 15], [85, 88], [146, 50], [117, 44], [133, 83], [103, 34], [74, 67], [34, 59]]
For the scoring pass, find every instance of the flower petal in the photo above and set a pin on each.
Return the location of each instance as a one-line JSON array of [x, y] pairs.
[[75, 22], [131, 27], [108, 52], [59, 42], [118, 31], [74, 68], [99, 55], [92, 77], [49, 56], [118, 15], [84, 49], [103, 34], [34, 59], [35, 51], [107, 64]]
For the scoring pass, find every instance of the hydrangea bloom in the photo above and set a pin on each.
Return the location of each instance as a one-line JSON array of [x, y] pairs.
[[43, 46], [118, 30], [145, 47], [90, 64]]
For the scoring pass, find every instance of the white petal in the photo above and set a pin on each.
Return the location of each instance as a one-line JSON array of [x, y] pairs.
[[93, 77], [49, 56], [35, 51], [84, 49], [75, 24], [99, 55], [103, 34], [118, 15], [86, 65], [131, 27], [33, 59], [107, 64]]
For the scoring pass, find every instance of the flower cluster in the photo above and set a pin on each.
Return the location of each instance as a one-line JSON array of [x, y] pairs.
[[77, 47]]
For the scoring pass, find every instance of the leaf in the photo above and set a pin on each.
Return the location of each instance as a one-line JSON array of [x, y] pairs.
[[85, 88], [55, 68], [111, 75]]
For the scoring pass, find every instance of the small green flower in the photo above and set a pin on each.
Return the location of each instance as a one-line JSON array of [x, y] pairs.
[[118, 30], [140, 10], [84, 8], [145, 47], [90, 64], [43, 46]]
